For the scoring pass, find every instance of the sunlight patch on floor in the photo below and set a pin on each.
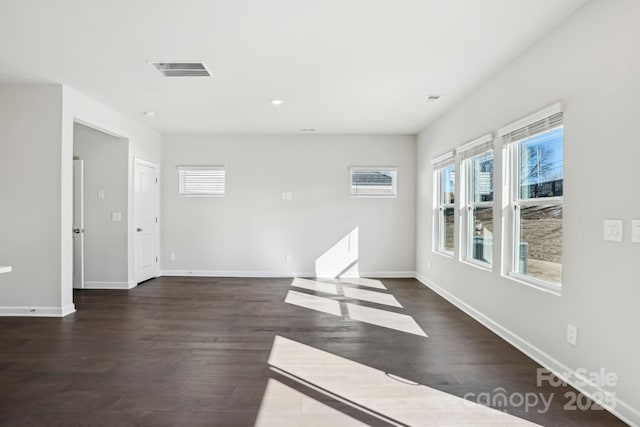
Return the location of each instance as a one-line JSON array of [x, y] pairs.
[[284, 406], [361, 281], [314, 285], [393, 400], [370, 296], [360, 313], [386, 319], [313, 302]]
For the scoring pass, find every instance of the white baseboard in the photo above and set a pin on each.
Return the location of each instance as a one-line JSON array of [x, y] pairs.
[[107, 285], [232, 273], [276, 274], [622, 410], [37, 311]]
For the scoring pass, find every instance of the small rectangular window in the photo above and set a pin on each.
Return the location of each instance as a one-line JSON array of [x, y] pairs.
[[477, 205], [534, 152], [445, 190], [373, 181], [202, 180]]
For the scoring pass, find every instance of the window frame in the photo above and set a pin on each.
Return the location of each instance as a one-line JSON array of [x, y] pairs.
[[394, 182], [181, 186], [482, 146], [440, 164], [513, 203]]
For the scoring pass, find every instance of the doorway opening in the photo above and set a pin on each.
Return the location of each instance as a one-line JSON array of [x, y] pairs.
[[101, 209]]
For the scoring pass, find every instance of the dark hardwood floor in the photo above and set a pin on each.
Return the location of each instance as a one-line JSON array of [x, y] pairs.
[[194, 351]]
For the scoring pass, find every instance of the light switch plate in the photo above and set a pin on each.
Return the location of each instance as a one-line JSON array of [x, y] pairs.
[[572, 334], [613, 230], [100, 194], [116, 216], [289, 195], [635, 231]]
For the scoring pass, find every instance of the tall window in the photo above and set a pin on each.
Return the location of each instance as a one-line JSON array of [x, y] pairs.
[[445, 188], [477, 220], [534, 148]]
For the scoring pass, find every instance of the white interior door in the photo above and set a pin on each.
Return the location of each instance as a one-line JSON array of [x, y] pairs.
[[146, 219], [78, 224]]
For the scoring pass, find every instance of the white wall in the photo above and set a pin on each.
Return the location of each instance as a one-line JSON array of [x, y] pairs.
[[105, 242], [36, 191], [30, 129], [249, 231], [591, 62]]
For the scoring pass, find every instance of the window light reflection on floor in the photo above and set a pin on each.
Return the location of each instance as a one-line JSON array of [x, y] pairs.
[[313, 302], [373, 316], [386, 319], [393, 401]]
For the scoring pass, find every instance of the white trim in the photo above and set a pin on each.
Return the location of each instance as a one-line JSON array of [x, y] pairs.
[[478, 141], [283, 274], [478, 264], [202, 168], [37, 311], [145, 162], [531, 281], [442, 157], [107, 285], [373, 168], [549, 111], [133, 217], [622, 410]]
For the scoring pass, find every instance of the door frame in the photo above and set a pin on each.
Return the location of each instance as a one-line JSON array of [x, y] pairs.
[[78, 237], [156, 229]]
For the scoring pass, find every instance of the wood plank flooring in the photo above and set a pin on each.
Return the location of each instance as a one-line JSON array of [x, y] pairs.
[[196, 351]]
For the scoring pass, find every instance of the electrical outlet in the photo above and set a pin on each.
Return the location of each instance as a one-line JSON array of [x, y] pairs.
[[172, 256], [116, 216], [100, 194], [287, 258], [572, 334]]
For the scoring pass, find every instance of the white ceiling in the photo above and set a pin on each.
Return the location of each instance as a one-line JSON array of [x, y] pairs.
[[341, 66]]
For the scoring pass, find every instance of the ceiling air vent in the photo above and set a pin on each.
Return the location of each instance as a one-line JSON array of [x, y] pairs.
[[181, 69]]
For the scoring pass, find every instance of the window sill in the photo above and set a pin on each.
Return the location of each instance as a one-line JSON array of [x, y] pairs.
[[481, 265], [536, 284], [444, 254], [374, 196]]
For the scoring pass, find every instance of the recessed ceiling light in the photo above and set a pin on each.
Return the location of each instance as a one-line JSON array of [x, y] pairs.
[[276, 101], [433, 98], [308, 130], [149, 114]]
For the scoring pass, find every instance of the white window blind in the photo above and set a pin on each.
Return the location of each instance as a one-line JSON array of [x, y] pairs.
[[444, 160], [373, 181], [477, 146], [537, 123], [202, 180]]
